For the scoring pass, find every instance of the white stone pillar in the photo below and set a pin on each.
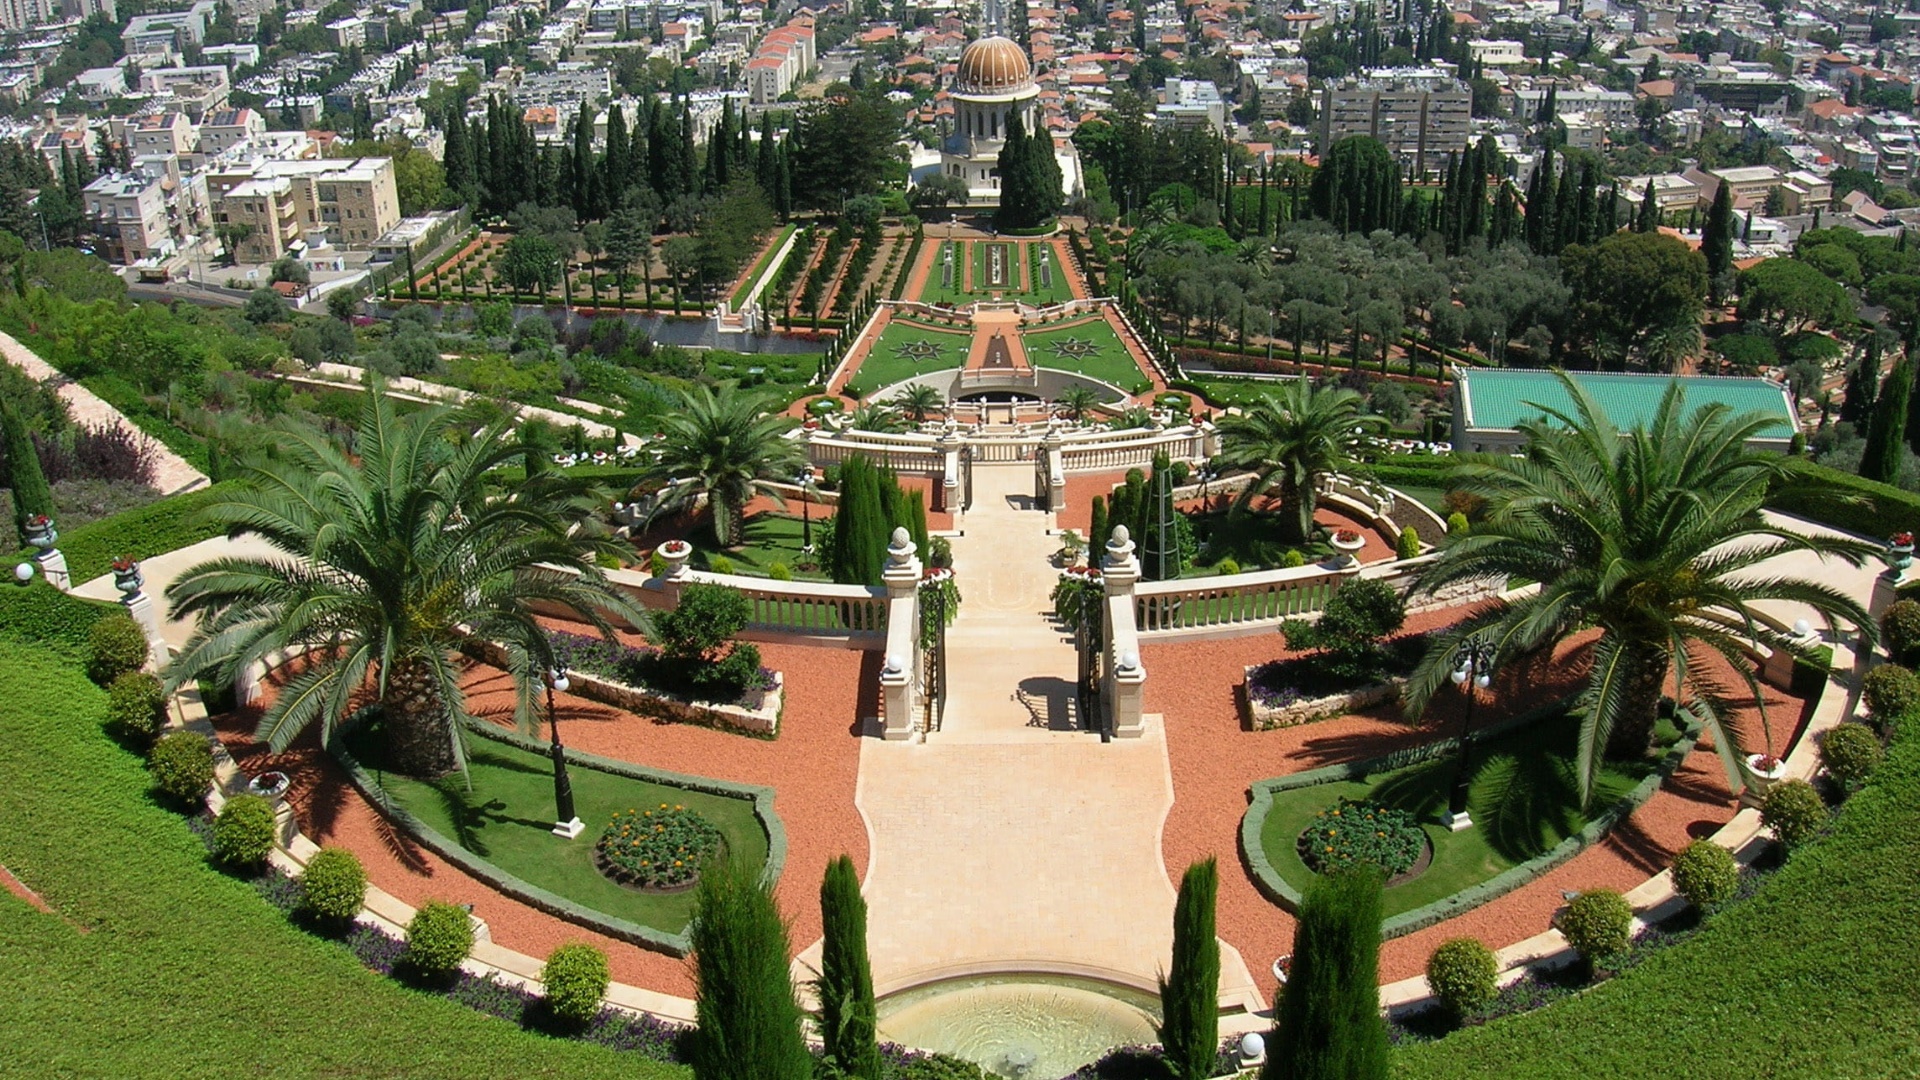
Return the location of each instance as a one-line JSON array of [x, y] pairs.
[[1126, 677], [1056, 470], [140, 607], [950, 444], [900, 664]]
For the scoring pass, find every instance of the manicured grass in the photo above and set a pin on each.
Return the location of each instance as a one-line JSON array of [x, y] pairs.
[[884, 366], [506, 817], [39, 615], [1050, 286], [770, 538], [1023, 281], [1813, 977], [787, 370], [1523, 800], [1110, 362], [1224, 392], [156, 964], [1251, 539], [760, 265]]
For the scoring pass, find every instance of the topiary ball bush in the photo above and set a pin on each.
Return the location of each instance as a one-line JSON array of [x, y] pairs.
[[1409, 543], [182, 766], [576, 977], [1850, 752], [1464, 976], [1457, 524], [137, 704], [1705, 873], [1598, 924], [1900, 626], [334, 886], [243, 831], [1891, 692], [1794, 811], [438, 938], [118, 646], [1226, 566]]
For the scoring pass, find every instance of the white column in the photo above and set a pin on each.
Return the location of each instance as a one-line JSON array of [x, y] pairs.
[[900, 666], [1126, 678]]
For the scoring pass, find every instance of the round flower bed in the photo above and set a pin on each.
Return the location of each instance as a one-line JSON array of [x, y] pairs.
[[1349, 832], [661, 849]]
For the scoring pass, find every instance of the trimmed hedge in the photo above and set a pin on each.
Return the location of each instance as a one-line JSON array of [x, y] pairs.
[[1706, 874], [1827, 941], [154, 529], [334, 884], [553, 903], [438, 938], [1277, 889], [1878, 510], [575, 977], [40, 615], [167, 934]]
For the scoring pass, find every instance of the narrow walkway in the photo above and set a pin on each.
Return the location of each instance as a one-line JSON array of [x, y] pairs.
[[172, 474], [1010, 841]]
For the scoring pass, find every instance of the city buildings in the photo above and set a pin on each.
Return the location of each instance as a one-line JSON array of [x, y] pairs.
[[1421, 114]]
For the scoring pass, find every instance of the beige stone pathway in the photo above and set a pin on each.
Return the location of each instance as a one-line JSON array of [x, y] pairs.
[[172, 473], [1009, 841]]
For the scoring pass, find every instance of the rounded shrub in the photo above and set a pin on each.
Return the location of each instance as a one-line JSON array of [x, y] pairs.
[[720, 564], [243, 831], [438, 938], [576, 977], [1705, 873], [1850, 752], [182, 766], [334, 885], [1409, 544], [118, 646], [780, 571], [1900, 626], [1598, 924], [1794, 811], [1457, 524], [1293, 559], [1891, 692], [1464, 975], [137, 703], [1226, 566]]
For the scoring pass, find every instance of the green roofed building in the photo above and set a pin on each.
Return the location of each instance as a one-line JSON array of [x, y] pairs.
[[1489, 406]]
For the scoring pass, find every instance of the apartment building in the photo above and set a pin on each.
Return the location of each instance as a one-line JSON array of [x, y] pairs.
[[1421, 114], [162, 133], [784, 57], [354, 200], [1193, 103], [140, 214], [18, 15], [223, 130], [1611, 107]]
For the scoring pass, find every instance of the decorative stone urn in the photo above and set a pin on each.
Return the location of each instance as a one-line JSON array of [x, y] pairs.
[[41, 534], [127, 577], [1347, 545], [1900, 551], [1763, 771], [675, 553]]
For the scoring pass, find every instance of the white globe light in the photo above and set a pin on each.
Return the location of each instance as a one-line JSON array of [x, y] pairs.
[[562, 684], [1252, 1045], [1483, 681], [23, 572], [1130, 660], [1802, 627], [1459, 676]]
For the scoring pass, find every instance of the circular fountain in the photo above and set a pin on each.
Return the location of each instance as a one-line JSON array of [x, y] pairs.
[[1022, 1027]]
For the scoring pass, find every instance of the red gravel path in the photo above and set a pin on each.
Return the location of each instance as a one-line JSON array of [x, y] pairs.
[[811, 767], [1215, 761]]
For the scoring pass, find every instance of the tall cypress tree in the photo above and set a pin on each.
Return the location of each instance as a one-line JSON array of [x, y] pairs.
[[748, 1020], [25, 481], [1098, 531], [1886, 431], [1190, 992], [1648, 218], [1328, 1025], [458, 156], [1540, 205], [617, 163], [847, 1012], [1716, 244], [1863, 379], [1159, 543]]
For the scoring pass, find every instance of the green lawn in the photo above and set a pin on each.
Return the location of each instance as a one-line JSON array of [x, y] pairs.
[[760, 265], [1813, 977], [1250, 538], [1523, 801], [769, 538], [1021, 286], [887, 364], [155, 964], [1225, 391], [789, 370], [1109, 360], [506, 817]]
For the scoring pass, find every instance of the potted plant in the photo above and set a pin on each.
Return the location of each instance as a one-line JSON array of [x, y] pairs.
[[1347, 543], [1763, 771], [1900, 550], [271, 786]]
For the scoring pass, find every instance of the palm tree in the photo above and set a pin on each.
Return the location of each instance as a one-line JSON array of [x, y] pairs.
[[727, 447], [1293, 437], [1077, 401], [918, 400], [1654, 536], [877, 416], [386, 565]]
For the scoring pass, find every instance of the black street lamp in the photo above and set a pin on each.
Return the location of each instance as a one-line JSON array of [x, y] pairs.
[[568, 823], [1472, 672], [805, 480]]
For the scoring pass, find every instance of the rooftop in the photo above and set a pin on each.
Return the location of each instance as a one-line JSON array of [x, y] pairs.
[[1502, 400]]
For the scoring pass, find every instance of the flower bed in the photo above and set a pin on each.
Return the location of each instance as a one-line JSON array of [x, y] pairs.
[[661, 849], [618, 675], [1350, 832], [1270, 706]]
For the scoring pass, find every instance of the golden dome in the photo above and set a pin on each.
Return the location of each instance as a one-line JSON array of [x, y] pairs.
[[992, 65]]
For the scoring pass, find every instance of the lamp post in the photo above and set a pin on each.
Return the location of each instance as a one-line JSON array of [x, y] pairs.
[[1472, 672], [568, 823], [805, 480]]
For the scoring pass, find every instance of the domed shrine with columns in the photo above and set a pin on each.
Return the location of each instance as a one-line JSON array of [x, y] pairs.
[[994, 81]]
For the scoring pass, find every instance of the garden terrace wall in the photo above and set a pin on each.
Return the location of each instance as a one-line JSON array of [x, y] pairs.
[[1276, 888], [1267, 718], [791, 612], [759, 717], [644, 936]]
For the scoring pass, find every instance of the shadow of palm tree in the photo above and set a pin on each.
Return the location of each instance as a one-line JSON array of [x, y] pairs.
[[1522, 799]]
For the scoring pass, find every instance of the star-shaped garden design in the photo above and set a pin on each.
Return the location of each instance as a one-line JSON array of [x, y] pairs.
[[1073, 348], [921, 349]]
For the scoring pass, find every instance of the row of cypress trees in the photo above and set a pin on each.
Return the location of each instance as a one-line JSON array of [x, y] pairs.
[[1031, 187], [872, 504], [1144, 504]]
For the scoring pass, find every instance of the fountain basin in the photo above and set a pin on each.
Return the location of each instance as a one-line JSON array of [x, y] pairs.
[[1020, 1026]]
